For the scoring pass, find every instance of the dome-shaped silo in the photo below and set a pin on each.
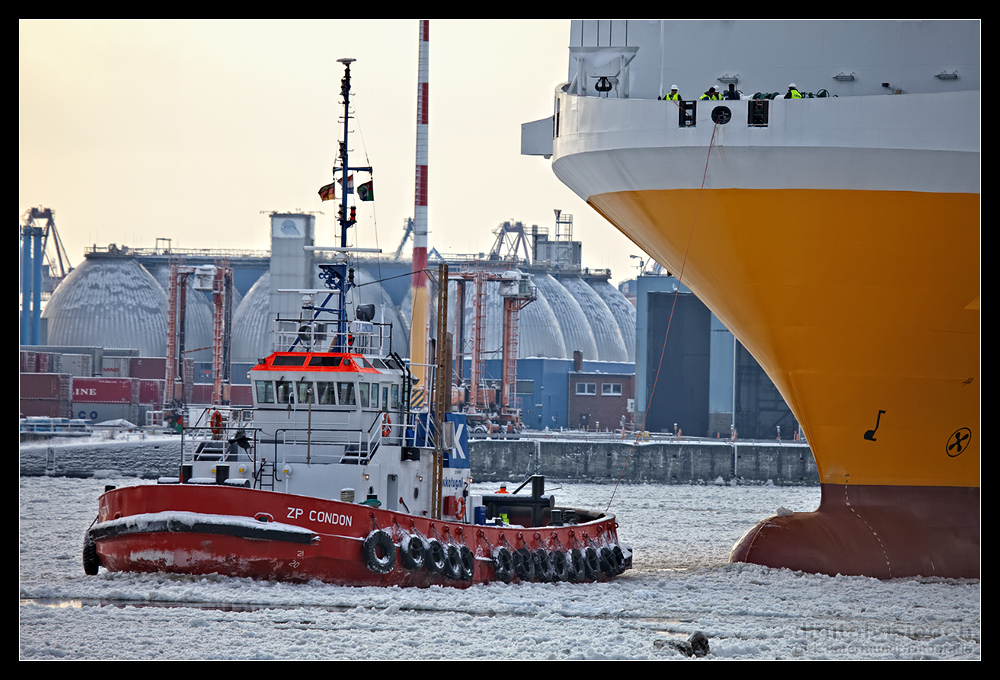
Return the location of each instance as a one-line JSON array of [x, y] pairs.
[[574, 324], [252, 333], [610, 345], [110, 300], [621, 309]]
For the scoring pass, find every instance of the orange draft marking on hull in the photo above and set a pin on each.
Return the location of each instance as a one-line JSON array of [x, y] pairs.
[[862, 307]]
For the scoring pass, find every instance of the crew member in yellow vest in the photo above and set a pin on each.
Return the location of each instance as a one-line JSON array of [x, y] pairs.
[[792, 92], [673, 95], [711, 93]]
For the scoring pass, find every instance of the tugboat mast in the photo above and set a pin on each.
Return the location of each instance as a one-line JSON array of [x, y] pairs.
[[346, 221]]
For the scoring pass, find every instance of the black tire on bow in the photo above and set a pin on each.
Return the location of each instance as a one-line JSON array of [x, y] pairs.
[[413, 551], [560, 565], [609, 565], [577, 565], [468, 561], [524, 565], [379, 552], [503, 565], [543, 566], [436, 557], [91, 560], [591, 564], [453, 565]]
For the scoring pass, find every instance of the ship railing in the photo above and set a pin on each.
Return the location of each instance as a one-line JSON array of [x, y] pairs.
[[333, 446], [298, 335], [221, 446]]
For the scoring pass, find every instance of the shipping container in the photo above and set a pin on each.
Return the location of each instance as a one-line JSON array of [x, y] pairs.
[[54, 386], [105, 390], [152, 392], [50, 408], [116, 367], [80, 365], [148, 367]]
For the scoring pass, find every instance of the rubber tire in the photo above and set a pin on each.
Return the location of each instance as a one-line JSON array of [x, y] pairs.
[[591, 564], [543, 566], [453, 567], [91, 560], [437, 559], [413, 552], [379, 540], [560, 565], [578, 568], [503, 565], [468, 562], [619, 558], [524, 565], [609, 565]]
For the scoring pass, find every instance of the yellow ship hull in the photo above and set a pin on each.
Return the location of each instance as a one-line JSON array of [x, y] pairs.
[[836, 236], [840, 245], [863, 308]]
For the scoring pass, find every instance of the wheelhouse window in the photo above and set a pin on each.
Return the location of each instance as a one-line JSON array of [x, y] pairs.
[[327, 361], [286, 360], [394, 397], [363, 394], [346, 394], [265, 391], [283, 391], [304, 393], [326, 393]]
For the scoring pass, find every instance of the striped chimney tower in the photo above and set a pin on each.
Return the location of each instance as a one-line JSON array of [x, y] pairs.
[[419, 314]]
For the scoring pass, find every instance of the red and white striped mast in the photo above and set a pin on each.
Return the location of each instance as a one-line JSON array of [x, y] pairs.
[[420, 299]]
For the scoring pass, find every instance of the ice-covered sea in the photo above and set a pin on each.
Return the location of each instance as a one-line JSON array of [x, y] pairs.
[[680, 583]]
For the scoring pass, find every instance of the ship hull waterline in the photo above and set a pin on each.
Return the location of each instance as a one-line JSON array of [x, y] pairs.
[[863, 308], [268, 535]]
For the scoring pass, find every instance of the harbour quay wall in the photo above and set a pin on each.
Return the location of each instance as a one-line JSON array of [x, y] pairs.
[[658, 462], [492, 460]]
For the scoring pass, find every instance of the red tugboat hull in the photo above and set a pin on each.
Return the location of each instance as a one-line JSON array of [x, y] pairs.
[[195, 529]]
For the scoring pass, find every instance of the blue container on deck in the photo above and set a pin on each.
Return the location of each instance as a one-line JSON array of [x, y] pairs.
[[480, 514]]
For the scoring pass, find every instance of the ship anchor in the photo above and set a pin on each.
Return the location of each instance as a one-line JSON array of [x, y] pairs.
[[870, 434]]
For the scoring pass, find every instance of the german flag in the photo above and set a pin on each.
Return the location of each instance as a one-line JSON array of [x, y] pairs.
[[328, 192]]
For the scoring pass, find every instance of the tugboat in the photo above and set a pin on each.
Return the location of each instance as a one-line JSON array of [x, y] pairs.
[[334, 476]]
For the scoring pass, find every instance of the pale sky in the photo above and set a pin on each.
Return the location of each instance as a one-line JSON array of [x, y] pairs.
[[192, 130]]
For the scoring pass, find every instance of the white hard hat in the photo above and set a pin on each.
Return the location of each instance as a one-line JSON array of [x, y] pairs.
[[791, 85], [673, 87]]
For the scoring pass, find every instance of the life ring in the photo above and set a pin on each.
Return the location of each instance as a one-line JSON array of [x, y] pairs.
[[413, 551], [503, 565], [216, 422], [460, 507], [379, 552], [386, 425]]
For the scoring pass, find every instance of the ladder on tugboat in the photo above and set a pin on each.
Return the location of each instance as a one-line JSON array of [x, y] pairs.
[[264, 479]]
